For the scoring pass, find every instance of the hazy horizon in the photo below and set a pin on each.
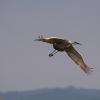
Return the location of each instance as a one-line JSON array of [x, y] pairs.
[[24, 63], [70, 93]]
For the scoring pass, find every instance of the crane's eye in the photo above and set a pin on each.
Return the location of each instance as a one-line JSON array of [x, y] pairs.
[[40, 37]]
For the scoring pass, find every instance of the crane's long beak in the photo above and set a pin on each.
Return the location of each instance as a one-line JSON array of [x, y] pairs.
[[43, 40], [38, 40], [47, 40]]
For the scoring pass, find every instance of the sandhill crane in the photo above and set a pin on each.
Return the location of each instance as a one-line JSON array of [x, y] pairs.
[[63, 45]]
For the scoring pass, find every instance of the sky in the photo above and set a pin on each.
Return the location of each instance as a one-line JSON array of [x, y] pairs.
[[24, 63]]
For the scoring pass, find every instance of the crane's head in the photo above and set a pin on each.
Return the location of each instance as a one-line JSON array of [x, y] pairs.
[[50, 40]]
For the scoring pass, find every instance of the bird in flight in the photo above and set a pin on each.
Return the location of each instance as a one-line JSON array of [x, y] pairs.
[[63, 45]]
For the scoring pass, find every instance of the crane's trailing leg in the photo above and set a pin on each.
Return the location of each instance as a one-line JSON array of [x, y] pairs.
[[54, 52], [76, 43]]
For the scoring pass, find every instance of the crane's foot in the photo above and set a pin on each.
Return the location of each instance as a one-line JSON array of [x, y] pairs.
[[53, 53], [50, 55]]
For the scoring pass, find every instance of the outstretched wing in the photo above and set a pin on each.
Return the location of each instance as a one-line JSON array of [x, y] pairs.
[[77, 58]]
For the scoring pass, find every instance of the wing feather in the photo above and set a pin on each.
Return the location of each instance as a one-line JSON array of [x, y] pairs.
[[77, 58]]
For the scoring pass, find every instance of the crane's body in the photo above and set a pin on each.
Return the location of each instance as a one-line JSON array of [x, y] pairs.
[[61, 45]]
